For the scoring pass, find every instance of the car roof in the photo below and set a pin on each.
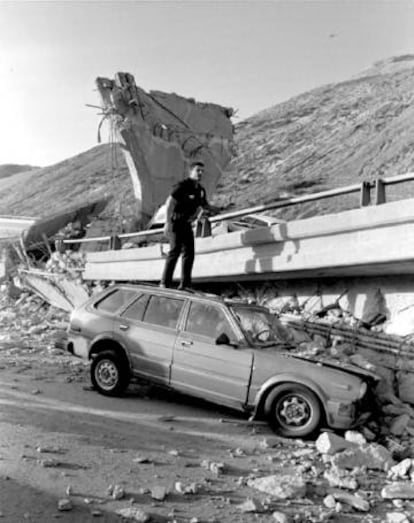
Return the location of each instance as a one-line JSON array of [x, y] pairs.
[[147, 287]]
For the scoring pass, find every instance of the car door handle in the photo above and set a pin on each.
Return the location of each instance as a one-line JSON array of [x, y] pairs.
[[186, 343], [124, 327]]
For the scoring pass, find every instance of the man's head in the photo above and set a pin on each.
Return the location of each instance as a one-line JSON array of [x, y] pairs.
[[196, 171]]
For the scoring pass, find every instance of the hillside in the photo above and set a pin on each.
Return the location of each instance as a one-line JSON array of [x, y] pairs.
[[332, 136], [9, 169]]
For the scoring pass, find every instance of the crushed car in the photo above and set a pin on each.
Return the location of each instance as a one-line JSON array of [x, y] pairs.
[[227, 352]]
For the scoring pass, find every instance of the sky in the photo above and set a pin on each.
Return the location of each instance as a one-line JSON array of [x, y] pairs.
[[248, 55]]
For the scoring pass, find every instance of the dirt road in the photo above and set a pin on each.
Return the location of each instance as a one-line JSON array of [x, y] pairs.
[[166, 457], [56, 433]]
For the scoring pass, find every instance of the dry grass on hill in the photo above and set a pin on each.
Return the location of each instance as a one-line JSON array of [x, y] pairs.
[[332, 136]]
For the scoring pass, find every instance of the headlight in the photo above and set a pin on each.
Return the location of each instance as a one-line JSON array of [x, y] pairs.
[[362, 390]]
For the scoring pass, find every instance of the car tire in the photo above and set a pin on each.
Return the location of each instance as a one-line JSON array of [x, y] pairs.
[[110, 373], [295, 411]]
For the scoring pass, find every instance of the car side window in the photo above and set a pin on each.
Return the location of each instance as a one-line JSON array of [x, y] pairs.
[[163, 311], [115, 300], [207, 320], [136, 309]]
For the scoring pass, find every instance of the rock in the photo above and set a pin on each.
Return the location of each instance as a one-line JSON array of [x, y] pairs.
[[65, 505], [355, 437], [193, 488], [361, 362], [319, 340], [397, 517], [250, 505], [335, 479], [283, 486], [398, 490], [159, 493], [97, 513], [142, 459], [329, 443], [399, 424], [401, 470], [49, 463], [406, 387], [217, 468], [368, 434], [280, 517], [269, 443], [69, 490], [353, 500], [371, 456], [179, 487], [115, 491], [134, 513], [329, 501]]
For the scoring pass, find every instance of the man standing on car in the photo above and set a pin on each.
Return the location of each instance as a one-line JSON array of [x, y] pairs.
[[181, 209]]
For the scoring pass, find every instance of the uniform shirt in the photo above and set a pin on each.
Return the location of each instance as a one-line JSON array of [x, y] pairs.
[[189, 196]]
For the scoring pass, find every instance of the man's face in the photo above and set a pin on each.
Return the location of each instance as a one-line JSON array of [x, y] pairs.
[[196, 173]]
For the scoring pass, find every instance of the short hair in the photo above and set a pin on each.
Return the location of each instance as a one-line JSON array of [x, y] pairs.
[[196, 164]]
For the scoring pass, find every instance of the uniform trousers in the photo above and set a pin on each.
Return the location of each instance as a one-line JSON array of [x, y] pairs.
[[181, 242]]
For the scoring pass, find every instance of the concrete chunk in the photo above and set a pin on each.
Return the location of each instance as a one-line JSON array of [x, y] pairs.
[[134, 513], [356, 502], [284, 486], [372, 456], [398, 490], [329, 443]]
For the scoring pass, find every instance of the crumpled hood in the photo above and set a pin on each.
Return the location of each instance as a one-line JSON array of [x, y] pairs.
[[336, 364], [326, 361]]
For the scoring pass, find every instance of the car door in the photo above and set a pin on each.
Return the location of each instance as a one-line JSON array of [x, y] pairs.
[[219, 373], [149, 329]]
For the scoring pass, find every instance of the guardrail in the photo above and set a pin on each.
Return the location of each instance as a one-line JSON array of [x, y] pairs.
[[364, 188]]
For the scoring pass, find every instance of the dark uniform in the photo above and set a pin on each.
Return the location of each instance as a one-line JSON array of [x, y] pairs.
[[188, 196]]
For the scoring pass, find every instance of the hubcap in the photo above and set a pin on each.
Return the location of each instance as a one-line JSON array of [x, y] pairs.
[[294, 411], [106, 374]]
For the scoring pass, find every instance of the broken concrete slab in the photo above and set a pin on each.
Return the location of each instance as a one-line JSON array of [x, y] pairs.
[[281, 486], [372, 456]]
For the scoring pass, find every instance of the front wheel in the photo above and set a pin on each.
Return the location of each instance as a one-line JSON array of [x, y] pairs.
[[295, 411], [109, 373]]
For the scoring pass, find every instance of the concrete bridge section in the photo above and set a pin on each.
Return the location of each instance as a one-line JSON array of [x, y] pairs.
[[372, 244], [13, 226]]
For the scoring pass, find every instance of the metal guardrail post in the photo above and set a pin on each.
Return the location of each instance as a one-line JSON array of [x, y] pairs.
[[365, 195], [115, 243], [379, 189]]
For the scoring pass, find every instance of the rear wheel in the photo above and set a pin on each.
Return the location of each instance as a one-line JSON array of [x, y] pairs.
[[110, 373], [295, 411]]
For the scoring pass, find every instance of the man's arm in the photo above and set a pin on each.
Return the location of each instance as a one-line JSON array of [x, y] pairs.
[[170, 204]]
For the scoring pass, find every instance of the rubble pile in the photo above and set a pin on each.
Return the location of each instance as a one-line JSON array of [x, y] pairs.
[[69, 264], [32, 332]]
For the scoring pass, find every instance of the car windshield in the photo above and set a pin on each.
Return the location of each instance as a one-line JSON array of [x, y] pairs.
[[260, 326]]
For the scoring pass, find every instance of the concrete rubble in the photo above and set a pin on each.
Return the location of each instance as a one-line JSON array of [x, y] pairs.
[[369, 470]]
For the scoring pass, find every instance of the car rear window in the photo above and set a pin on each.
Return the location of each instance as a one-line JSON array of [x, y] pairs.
[[163, 311], [115, 300]]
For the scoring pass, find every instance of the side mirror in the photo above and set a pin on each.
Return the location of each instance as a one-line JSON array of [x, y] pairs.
[[223, 339]]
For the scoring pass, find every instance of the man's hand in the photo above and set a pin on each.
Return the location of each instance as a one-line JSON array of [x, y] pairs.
[[167, 230]]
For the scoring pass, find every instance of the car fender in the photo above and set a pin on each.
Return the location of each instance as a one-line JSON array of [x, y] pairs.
[[108, 337], [264, 398]]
